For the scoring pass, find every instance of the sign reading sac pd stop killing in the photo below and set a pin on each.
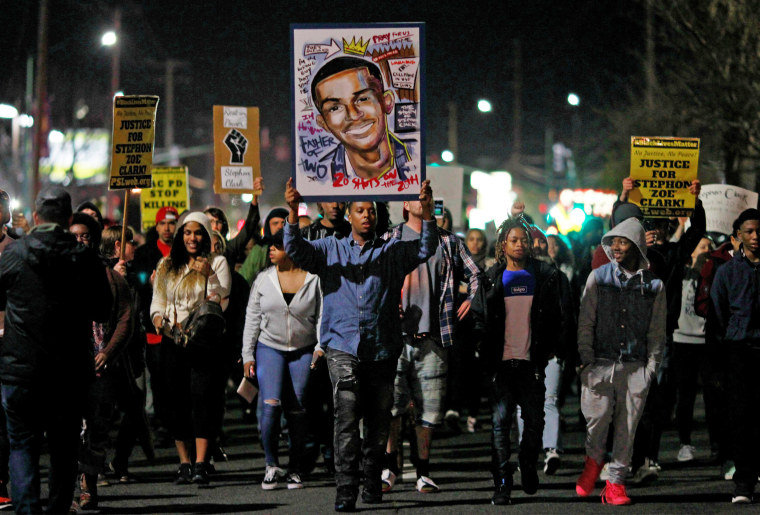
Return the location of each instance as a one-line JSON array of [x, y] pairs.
[[662, 170], [134, 124], [170, 188]]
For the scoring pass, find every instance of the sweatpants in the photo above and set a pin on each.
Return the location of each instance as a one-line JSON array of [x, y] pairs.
[[613, 392]]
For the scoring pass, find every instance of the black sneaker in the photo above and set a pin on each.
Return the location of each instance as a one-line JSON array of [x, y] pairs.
[[345, 498], [184, 474], [370, 497], [200, 473], [529, 478], [502, 493]]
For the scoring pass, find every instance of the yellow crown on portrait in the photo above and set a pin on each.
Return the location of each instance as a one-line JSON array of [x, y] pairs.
[[355, 47]]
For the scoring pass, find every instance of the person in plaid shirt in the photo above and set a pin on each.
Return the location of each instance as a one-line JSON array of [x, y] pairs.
[[429, 316]]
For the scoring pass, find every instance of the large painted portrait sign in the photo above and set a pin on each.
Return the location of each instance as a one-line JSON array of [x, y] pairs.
[[357, 111]]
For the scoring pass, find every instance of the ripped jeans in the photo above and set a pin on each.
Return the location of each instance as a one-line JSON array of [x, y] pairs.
[[360, 390], [282, 378]]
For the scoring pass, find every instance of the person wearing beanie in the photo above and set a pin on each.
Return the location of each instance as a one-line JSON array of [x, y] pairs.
[[89, 208], [258, 258], [735, 298], [194, 379], [621, 336]]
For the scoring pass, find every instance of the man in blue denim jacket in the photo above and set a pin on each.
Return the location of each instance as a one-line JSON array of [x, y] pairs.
[[361, 278]]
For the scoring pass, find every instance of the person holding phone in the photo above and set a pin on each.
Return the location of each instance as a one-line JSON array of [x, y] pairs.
[[279, 338]]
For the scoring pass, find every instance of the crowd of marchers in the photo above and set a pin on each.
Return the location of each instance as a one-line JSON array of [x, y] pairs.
[[349, 328]]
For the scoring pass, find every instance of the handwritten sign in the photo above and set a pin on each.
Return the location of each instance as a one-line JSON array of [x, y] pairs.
[[378, 151], [723, 203], [169, 188], [134, 131], [236, 149], [662, 170]]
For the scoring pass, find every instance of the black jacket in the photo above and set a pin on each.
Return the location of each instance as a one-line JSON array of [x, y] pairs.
[[552, 319], [146, 259], [52, 290]]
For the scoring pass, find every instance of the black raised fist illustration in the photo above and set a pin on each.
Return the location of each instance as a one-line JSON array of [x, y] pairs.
[[237, 144]]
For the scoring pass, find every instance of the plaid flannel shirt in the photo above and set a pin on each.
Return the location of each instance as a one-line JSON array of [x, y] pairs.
[[457, 262]]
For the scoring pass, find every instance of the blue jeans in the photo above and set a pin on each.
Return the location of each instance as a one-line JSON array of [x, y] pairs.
[[361, 389], [55, 407], [551, 438], [282, 379]]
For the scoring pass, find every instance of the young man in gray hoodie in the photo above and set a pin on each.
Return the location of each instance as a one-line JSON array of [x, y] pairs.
[[621, 335]]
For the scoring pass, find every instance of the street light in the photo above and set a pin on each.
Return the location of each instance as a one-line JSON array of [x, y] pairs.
[[109, 38], [447, 156], [8, 112], [484, 106], [573, 99]]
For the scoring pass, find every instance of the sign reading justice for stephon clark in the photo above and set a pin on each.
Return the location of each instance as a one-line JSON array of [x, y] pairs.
[[134, 131], [662, 170]]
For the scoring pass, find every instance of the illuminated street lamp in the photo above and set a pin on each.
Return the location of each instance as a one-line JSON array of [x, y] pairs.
[[8, 112], [109, 38], [447, 156], [484, 106], [573, 99]]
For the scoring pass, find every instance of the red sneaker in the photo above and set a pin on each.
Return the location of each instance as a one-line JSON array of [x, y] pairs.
[[615, 494], [585, 483]]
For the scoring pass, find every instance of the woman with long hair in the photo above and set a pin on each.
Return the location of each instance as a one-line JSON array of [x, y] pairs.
[[194, 378], [278, 341], [560, 253]]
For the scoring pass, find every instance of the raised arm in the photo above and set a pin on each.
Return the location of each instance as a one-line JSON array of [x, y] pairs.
[[236, 245], [307, 255]]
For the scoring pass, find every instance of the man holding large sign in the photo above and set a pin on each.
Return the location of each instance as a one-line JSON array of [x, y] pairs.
[[662, 170]]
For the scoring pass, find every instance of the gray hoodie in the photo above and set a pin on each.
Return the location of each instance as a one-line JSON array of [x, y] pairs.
[[623, 313]]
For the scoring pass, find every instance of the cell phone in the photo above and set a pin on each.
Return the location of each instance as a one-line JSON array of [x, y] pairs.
[[438, 208], [247, 390]]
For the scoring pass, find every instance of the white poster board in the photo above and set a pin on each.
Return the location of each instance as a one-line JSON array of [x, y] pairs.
[[723, 203], [447, 183]]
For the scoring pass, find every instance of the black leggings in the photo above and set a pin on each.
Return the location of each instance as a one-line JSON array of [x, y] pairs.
[[194, 387]]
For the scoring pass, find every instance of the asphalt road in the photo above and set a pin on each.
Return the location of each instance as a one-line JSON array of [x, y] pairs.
[[459, 464]]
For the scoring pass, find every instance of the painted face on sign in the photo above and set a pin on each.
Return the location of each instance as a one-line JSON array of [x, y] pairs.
[[353, 108]]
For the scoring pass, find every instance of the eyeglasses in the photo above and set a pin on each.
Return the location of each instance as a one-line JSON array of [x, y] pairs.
[[85, 236]]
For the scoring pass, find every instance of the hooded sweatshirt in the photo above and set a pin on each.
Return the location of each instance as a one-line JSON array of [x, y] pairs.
[[623, 312]]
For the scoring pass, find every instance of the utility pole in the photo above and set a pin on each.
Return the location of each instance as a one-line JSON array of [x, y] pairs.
[[453, 130], [40, 96], [649, 72], [517, 103]]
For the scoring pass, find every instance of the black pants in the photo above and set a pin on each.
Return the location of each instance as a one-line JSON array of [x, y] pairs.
[[658, 412], [157, 382], [318, 402], [99, 411], [516, 382], [194, 389], [360, 390], [464, 381], [744, 402], [690, 363]]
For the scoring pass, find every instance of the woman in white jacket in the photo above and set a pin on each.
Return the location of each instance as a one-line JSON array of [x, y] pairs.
[[194, 384], [279, 338]]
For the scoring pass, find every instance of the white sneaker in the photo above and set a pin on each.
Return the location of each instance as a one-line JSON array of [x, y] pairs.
[[389, 479], [741, 499], [686, 453], [425, 485], [647, 473], [472, 424], [294, 481], [604, 475], [271, 476], [551, 462], [728, 470]]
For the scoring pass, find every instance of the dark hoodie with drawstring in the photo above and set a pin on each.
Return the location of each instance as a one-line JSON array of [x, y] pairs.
[[52, 290]]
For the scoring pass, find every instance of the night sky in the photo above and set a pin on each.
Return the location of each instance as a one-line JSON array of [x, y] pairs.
[[239, 55]]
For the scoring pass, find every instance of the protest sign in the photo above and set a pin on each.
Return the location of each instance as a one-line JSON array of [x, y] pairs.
[[134, 124], [448, 184], [723, 203], [662, 170], [357, 97], [236, 149], [169, 188]]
